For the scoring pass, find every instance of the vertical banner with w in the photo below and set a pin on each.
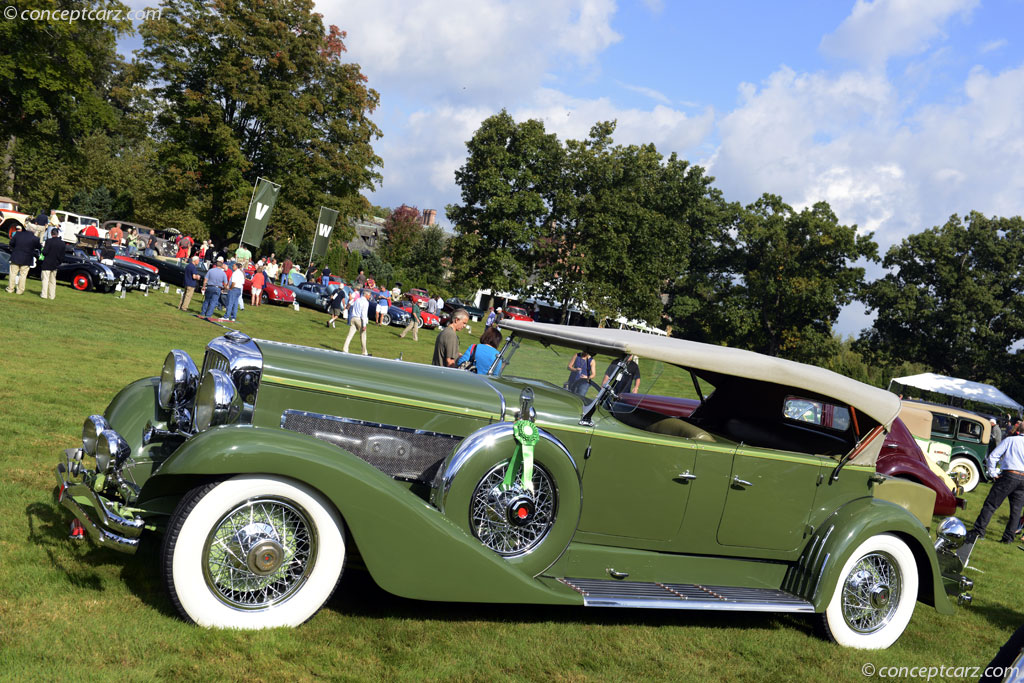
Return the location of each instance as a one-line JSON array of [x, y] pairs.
[[264, 196], [324, 228]]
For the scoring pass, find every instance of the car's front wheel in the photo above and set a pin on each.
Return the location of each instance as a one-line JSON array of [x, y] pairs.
[[965, 471], [252, 552], [875, 596], [82, 282], [385, 319]]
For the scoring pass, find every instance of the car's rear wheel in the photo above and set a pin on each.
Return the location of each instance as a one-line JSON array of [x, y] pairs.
[[875, 596], [81, 281], [965, 471], [252, 552]]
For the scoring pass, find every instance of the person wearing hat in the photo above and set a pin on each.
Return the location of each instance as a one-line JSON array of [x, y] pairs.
[[214, 283], [997, 435]]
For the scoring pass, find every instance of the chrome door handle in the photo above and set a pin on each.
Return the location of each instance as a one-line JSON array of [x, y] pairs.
[[736, 481], [686, 476]]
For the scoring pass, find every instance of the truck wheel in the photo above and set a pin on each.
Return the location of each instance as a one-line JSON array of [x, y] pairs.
[[252, 552], [875, 595], [965, 471]]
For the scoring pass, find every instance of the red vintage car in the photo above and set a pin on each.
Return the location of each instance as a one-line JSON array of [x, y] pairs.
[[271, 292], [900, 457], [517, 313], [94, 245], [430, 321], [420, 296]]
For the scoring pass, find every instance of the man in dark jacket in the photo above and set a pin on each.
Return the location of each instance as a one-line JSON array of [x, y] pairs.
[[24, 247], [53, 256]]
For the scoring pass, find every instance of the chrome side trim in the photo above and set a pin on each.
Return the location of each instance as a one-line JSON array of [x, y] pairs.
[[501, 396], [655, 595], [482, 438], [365, 423]]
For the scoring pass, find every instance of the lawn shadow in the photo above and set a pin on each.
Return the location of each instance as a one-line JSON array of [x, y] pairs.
[[48, 528], [999, 615], [358, 595]]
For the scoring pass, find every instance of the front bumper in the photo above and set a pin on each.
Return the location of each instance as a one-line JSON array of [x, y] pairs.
[[97, 515]]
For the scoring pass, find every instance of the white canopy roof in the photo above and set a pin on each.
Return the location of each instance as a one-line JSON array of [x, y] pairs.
[[962, 388], [879, 404]]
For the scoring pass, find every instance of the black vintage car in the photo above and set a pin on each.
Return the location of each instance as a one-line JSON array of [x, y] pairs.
[[82, 274], [171, 271], [455, 303], [134, 274]]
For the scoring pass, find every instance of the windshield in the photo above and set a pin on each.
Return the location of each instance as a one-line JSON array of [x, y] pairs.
[[576, 370]]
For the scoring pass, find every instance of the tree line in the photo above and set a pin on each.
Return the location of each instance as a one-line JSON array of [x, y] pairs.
[[623, 230]]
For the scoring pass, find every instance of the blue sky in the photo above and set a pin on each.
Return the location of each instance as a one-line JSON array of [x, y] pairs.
[[897, 112]]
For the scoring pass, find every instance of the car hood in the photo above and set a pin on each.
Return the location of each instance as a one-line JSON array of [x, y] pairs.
[[414, 384]]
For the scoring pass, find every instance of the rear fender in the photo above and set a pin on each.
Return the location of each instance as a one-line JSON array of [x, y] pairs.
[[816, 573], [409, 548]]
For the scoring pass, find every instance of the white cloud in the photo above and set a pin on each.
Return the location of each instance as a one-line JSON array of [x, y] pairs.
[[993, 45], [875, 31], [647, 92], [469, 51], [881, 162]]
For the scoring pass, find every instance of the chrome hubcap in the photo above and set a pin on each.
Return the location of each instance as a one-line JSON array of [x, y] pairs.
[[515, 521], [871, 593], [259, 553]]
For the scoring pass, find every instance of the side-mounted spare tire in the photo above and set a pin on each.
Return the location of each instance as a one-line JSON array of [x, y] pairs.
[[529, 529]]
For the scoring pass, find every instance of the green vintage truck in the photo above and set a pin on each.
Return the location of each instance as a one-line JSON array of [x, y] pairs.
[[269, 467]]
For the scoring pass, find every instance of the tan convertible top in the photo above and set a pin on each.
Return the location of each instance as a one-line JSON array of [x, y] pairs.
[[879, 404], [918, 420]]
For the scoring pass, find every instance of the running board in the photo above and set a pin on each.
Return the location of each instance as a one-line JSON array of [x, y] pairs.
[[650, 595]]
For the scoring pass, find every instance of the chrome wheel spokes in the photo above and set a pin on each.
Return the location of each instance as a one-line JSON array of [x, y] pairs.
[[871, 592], [515, 521], [259, 553]]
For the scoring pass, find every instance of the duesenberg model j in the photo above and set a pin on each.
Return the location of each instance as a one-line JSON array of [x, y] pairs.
[[266, 468]]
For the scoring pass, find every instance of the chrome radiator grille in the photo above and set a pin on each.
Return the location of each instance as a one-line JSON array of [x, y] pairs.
[[215, 361], [400, 452]]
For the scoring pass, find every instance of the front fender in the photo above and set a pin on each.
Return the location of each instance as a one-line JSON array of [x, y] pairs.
[[409, 548], [816, 574]]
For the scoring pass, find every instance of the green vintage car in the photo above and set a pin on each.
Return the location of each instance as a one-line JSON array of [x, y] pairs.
[[968, 435], [269, 467]]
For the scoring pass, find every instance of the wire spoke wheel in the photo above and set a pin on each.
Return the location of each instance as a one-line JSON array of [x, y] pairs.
[[871, 593], [512, 522], [259, 553]]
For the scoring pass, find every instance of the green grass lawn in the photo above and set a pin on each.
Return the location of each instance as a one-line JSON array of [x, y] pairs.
[[75, 612]]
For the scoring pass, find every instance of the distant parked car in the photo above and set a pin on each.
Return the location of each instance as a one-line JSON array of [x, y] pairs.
[[171, 270], [475, 314], [11, 217], [309, 294], [427, 319], [83, 275], [517, 313], [276, 294], [968, 435], [420, 296]]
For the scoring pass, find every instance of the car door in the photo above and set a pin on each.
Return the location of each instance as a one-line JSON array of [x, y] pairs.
[[636, 485], [768, 499]]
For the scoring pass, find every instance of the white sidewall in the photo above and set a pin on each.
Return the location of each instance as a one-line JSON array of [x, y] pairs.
[[204, 607], [888, 635], [970, 466]]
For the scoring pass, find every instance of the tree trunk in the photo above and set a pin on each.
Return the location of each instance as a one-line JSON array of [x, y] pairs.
[[9, 164]]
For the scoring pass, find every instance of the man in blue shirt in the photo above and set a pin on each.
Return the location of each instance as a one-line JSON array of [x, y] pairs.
[[216, 281], [192, 279], [1009, 456]]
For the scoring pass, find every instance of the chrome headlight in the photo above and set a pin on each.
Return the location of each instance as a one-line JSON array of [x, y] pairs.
[[178, 380], [110, 447], [91, 430], [952, 533], [217, 402]]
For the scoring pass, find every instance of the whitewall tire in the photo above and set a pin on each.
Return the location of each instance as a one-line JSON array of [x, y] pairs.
[[875, 596], [968, 468], [252, 552]]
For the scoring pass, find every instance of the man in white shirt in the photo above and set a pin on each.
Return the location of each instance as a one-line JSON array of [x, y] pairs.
[[357, 319], [1006, 465], [235, 293]]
